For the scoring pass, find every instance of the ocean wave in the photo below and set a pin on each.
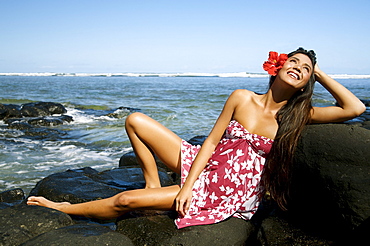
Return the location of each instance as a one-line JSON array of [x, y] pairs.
[[28, 160], [80, 117]]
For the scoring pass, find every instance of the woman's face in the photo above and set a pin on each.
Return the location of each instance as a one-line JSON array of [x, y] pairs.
[[297, 70]]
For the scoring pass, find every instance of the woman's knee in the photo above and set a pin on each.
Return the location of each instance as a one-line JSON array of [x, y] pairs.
[[135, 119], [124, 200]]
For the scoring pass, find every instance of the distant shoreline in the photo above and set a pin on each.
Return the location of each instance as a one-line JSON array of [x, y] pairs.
[[223, 75]]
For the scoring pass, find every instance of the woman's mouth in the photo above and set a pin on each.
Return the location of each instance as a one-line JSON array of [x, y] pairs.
[[293, 75]]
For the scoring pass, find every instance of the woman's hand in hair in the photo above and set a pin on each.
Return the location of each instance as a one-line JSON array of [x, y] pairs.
[[318, 73], [349, 105]]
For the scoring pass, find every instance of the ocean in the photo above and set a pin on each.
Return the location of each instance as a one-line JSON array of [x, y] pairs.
[[188, 105]]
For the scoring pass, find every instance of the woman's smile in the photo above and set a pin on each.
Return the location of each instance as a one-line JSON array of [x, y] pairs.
[[293, 75]]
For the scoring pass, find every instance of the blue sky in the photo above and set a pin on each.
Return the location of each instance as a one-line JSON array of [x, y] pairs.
[[179, 36]]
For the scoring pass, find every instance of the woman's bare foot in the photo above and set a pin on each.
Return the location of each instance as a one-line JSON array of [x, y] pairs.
[[42, 201]]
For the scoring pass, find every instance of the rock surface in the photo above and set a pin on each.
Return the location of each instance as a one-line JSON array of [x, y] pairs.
[[31, 118], [11, 198], [81, 235], [158, 228], [20, 223], [331, 183], [35, 109]]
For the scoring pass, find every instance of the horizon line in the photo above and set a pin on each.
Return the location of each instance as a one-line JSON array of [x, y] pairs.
[[184, 74]]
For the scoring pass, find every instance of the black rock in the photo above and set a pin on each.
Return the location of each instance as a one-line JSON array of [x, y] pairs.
[[11, 197], [197, 140], [121, 112], [366, 102], [20, 223], [39, 121], [42, 109], [81, 234], [10, 111], [158, 228], [331, 185], [277, 231], [36, 132]]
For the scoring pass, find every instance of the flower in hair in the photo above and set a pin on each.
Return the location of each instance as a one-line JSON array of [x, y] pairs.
[[274, 63]]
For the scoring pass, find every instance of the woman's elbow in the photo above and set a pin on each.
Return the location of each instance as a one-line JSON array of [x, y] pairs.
[[359, 109], [354, 111]]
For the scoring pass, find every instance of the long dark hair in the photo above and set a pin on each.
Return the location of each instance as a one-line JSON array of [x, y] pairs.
[[291, 119]]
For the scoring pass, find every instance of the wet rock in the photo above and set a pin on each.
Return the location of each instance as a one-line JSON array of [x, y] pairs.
[[158, 228], [42, 109], [129, 159], [36, 132], [197, 140], [87, 184], [50, 121], [39, 121], [366, 102], [11, 197], [122, 112], [81, 234], [31, 118], [10, 111], [20, 223]]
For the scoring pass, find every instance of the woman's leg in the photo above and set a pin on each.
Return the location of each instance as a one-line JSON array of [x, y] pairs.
[[115, 206], [149, 137]]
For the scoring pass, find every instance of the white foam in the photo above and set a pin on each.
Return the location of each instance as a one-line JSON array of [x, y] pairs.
[[79, 117], [350, 76]]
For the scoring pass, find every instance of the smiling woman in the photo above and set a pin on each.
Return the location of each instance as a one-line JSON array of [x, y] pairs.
[[247, 154], [291, 118]]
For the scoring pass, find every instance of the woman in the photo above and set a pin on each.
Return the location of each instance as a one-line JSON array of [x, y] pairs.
[[223, 177]]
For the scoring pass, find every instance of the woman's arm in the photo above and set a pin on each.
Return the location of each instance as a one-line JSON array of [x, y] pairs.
[[349, 105], [183, 199]]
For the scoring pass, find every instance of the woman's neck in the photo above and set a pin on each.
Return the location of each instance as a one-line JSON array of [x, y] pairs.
[[277, 96]]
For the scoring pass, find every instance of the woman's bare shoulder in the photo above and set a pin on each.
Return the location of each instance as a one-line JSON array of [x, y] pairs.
[[243, 95]]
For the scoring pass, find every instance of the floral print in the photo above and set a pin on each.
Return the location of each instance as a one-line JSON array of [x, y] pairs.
[[228, 186]]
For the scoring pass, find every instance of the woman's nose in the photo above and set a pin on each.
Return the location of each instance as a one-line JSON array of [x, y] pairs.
[[297, 67]]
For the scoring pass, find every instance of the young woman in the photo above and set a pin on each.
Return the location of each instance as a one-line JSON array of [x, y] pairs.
[[229, 174]]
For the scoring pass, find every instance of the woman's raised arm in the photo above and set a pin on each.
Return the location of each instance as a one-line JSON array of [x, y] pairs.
[[349, 105]]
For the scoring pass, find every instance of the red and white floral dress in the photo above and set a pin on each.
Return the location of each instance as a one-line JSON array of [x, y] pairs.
[[228, 185]]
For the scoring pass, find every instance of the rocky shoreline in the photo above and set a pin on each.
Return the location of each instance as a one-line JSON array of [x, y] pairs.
[[330, 202]]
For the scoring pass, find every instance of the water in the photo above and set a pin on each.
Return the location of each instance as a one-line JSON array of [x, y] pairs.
[[188, 106]]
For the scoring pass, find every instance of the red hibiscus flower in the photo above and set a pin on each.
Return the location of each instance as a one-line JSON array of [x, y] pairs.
[[274, 63]]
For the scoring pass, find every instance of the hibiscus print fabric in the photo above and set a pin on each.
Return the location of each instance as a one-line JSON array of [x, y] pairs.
[[228, 186]]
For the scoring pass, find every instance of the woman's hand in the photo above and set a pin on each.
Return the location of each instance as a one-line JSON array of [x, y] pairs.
[[317, 72], [183, 200], [349, 105]]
